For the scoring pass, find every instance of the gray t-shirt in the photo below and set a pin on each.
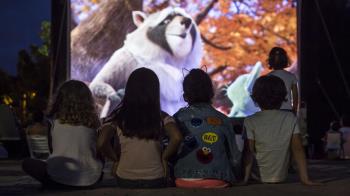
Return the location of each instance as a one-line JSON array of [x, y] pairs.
[[289, 80], [272, 132], [73, 160]]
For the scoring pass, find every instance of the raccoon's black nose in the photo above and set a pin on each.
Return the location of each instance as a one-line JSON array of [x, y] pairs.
[[187, 22]]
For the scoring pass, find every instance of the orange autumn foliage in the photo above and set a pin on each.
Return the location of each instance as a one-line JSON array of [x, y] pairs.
[[250, 33]]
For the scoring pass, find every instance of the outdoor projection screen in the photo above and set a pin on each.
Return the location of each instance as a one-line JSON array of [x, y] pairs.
[[236, 37]]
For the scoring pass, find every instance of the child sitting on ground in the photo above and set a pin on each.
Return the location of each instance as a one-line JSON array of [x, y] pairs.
[[209, 156], [72, 139], [39, 126], [272, 133], [138, 126], [333, 140]]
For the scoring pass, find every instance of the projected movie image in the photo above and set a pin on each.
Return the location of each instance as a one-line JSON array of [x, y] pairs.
[[230, 40]]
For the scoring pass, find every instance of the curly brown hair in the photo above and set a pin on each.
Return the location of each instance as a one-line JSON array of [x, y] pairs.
[[74, 105], [269, 92]]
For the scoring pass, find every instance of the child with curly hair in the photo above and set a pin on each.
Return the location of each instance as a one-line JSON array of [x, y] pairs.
[[73, 161], [272, 134]]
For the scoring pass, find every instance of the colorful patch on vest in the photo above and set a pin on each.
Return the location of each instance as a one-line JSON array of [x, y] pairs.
[[210, 137], [190, 141], [204, 155], [214, 121], [196, 122]]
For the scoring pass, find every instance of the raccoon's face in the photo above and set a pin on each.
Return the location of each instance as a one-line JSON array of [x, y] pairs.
[[171, 29]]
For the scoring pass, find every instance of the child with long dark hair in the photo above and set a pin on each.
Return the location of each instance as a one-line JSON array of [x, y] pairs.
[[278, 60], [72, 139], [273, 134], [209, 157], [138, 126]]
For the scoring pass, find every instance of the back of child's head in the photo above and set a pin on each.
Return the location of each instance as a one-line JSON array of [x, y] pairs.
[[74, 105], [198, 87], [345, 120], [278, 58], [269, 92], [335, 125], [139, 113]]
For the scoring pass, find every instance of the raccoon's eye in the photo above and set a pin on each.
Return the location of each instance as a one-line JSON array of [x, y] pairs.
[[166, 21]]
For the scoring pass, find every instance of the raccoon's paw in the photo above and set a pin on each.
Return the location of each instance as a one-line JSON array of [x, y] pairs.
[[121, 92], [114, 97]]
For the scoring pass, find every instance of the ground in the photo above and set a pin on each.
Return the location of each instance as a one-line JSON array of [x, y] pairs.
[[335, 175]]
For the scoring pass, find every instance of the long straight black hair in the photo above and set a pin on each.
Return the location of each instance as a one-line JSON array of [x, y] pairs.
[[139, 114]]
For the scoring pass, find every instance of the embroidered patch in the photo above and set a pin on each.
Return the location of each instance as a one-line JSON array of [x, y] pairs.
[[205, 155], [214, 121], [210, 137], [196, 122], [190, 141]]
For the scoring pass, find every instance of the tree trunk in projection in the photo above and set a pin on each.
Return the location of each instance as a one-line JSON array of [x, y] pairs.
[[95, 39]]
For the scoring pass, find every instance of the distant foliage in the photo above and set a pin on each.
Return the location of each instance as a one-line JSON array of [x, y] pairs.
[[33, 75], [46, 38]]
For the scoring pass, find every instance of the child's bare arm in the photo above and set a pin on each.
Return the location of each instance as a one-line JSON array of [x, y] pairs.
[[175, 139], [299, 156], [248, 159], [104, 146], [295, 97]]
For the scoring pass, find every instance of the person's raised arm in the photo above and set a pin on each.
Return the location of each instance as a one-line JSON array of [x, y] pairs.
[[299, 157]]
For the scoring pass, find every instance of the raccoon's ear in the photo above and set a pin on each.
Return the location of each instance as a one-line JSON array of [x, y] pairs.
[[138, 17]]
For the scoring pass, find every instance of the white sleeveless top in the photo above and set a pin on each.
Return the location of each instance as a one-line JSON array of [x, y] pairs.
[[73, 160]]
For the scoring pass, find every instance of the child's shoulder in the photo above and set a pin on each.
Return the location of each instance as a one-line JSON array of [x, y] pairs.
[[205, 111], [181, 111], [282, 73], [220, 115], [270, 113]]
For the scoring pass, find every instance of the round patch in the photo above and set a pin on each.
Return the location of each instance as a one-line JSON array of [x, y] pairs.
[[204, 155], [214, 121], [196, 122], [210, 137], [190, 141]]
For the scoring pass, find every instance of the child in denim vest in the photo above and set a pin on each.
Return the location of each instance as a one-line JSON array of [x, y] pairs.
[[209, 154]]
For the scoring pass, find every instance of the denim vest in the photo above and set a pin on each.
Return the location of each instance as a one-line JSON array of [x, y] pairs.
[[209, 149]]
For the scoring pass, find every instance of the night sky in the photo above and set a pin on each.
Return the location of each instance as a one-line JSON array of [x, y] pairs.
[[20, 27]]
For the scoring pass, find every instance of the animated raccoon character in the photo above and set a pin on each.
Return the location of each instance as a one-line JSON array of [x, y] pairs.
[[239, 93], [167, 42]]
